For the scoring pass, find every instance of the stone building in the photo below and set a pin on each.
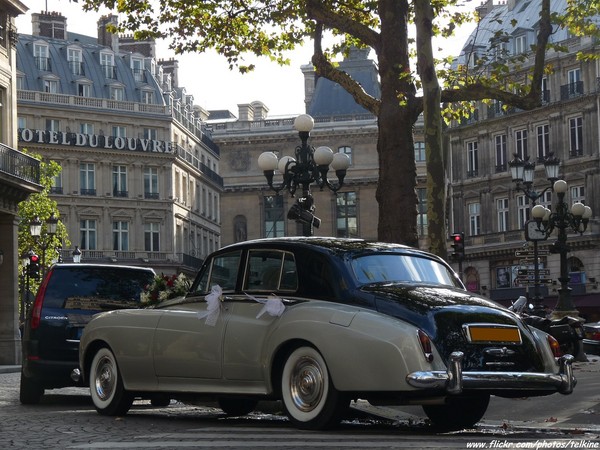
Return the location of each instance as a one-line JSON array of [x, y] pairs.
[[19, 177], [486, 204], [140, 179]]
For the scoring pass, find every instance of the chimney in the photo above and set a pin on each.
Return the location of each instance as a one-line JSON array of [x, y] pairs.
[[260, 110], [246, 112], [171, 67], [106, 38], [49, 24]]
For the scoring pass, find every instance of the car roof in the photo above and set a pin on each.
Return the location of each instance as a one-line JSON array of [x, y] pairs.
[[95, 265]]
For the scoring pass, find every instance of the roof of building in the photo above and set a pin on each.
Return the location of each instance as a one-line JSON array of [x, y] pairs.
[[331, 99]]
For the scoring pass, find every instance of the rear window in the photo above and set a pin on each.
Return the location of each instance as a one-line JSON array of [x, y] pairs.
[[96, 288]]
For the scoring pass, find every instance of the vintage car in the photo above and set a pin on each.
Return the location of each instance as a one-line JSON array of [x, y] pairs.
[[316, 322], [591, 340]]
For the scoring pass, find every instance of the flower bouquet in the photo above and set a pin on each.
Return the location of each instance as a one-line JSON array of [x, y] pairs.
[[164, 287]]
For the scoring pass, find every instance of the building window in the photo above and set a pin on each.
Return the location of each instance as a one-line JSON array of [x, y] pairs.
[[475, 218], [545, 91], [119, 181], [473, 160], [40, 54], [346, 215], [107, 61], [137, 66], [147, 97], [75, 61], [150, 133], [87, 179], [56, 187], [20, 83], [422, 212], [575, 83], [21, 122], [576, 136], [521, 144], [117, 93], [500, 142], [520, 45], [274, 225], [347, 151], [577, 194], [546, 199], [86, 128], [84, 89], [503, 218], [522, 210], [543, 141], [420, 151], [151, 235], [51, 86], [87, 230], [52, 125], [151, 182], [121, 235], [119, 131]]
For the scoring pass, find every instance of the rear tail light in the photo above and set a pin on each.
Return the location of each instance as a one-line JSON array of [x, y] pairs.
[[554, 346], [425, 345], [36, 311]]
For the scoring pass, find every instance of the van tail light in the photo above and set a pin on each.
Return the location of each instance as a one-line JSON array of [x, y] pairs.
[[554, 346], [36, 311], [425, 345]]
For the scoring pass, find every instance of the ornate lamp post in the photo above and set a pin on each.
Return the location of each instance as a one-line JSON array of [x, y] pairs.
[[523, 173], [309, 166], [577, 219], [35, 229]]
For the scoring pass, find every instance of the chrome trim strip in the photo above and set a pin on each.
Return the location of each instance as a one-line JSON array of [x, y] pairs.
[[454, 380]]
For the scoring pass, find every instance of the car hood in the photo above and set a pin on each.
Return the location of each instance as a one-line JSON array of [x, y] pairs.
[[442, 311]]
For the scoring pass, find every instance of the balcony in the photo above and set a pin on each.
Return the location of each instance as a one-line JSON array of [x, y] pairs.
[[151, 195], [90, 192], [77, 68], [19, 165], [120, 194], [43, 64], [571, 90], [110, 71]]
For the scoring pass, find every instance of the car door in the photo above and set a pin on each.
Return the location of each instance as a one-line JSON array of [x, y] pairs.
[[188, 341]]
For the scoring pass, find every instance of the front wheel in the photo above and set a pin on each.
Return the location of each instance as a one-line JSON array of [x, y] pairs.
[[30, 391], [458, 412], [310, 399], [106, 386]]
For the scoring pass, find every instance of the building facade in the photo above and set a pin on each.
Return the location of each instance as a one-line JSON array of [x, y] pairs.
[[140, 179], [486, 204], [19, 177]]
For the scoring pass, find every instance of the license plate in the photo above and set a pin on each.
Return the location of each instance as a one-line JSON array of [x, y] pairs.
[[492, 334]]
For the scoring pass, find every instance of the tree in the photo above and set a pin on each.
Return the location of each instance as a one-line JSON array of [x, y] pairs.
[[40, 205], [272, 27]]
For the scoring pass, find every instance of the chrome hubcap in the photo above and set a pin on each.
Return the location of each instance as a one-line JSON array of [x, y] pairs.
[[306, 384], [105, 379]]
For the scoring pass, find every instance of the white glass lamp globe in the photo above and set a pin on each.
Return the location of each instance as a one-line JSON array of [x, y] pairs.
[[578, 209], [304, 122], [560, 186], [538, 212], [341, 161], [283, 163], [587, 213], [323, 156], [267, 161]]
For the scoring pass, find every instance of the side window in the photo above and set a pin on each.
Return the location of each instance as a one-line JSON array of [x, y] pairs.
[[222, 271], [270, 270]]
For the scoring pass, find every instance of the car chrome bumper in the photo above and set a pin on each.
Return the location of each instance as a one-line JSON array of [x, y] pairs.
[[454, 380]]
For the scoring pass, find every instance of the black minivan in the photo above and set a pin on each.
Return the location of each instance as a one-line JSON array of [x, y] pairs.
[[68, 297]]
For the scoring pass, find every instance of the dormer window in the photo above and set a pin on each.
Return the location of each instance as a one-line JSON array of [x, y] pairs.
[[117, 92], [147, 96], [137, 67], [40, 54], [75, 60], [51, 84], [107, 61], [520, 45]]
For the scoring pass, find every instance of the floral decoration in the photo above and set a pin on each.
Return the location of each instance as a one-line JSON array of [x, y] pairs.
[[164, 287]]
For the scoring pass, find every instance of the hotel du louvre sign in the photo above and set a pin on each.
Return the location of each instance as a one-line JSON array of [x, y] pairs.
[[94, 141]]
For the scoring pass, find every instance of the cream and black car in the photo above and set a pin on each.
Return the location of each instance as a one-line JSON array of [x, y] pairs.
[[317, 322]]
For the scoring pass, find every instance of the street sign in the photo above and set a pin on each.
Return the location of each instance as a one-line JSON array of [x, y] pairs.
[[530, 281], [530, 253], [532, 272]]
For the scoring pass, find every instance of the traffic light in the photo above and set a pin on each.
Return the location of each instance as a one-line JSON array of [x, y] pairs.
[[458, 246], [33, 269]]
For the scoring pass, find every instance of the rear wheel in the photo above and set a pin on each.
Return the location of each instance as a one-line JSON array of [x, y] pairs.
[[458, 412], [310, 399], [237, 406], [106, 386], [30, 391]]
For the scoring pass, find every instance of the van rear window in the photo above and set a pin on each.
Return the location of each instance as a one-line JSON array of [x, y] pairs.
[[96, 288]]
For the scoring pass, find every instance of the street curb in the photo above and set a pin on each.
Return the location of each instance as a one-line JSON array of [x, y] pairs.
[[10, 369]]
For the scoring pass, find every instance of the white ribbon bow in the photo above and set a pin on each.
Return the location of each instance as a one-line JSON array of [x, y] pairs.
[[214, 306], [273, 305]]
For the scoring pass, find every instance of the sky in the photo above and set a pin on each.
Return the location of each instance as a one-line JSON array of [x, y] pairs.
[[207, 76]]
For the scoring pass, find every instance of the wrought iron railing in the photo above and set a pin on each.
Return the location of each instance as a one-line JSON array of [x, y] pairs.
[[18, 164]]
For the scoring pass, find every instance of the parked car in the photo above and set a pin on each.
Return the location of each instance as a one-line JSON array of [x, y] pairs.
[[316, 322], [68, 297], [591, 341]]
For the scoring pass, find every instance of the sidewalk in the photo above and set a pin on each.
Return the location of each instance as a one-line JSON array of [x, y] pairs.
[[10, 369]]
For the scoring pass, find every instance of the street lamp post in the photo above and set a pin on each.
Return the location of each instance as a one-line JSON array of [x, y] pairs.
[[523, 173], [309, 166], [35, 229], [562, 219]]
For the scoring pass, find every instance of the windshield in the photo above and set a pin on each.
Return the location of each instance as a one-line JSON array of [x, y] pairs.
[[393, 267]]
